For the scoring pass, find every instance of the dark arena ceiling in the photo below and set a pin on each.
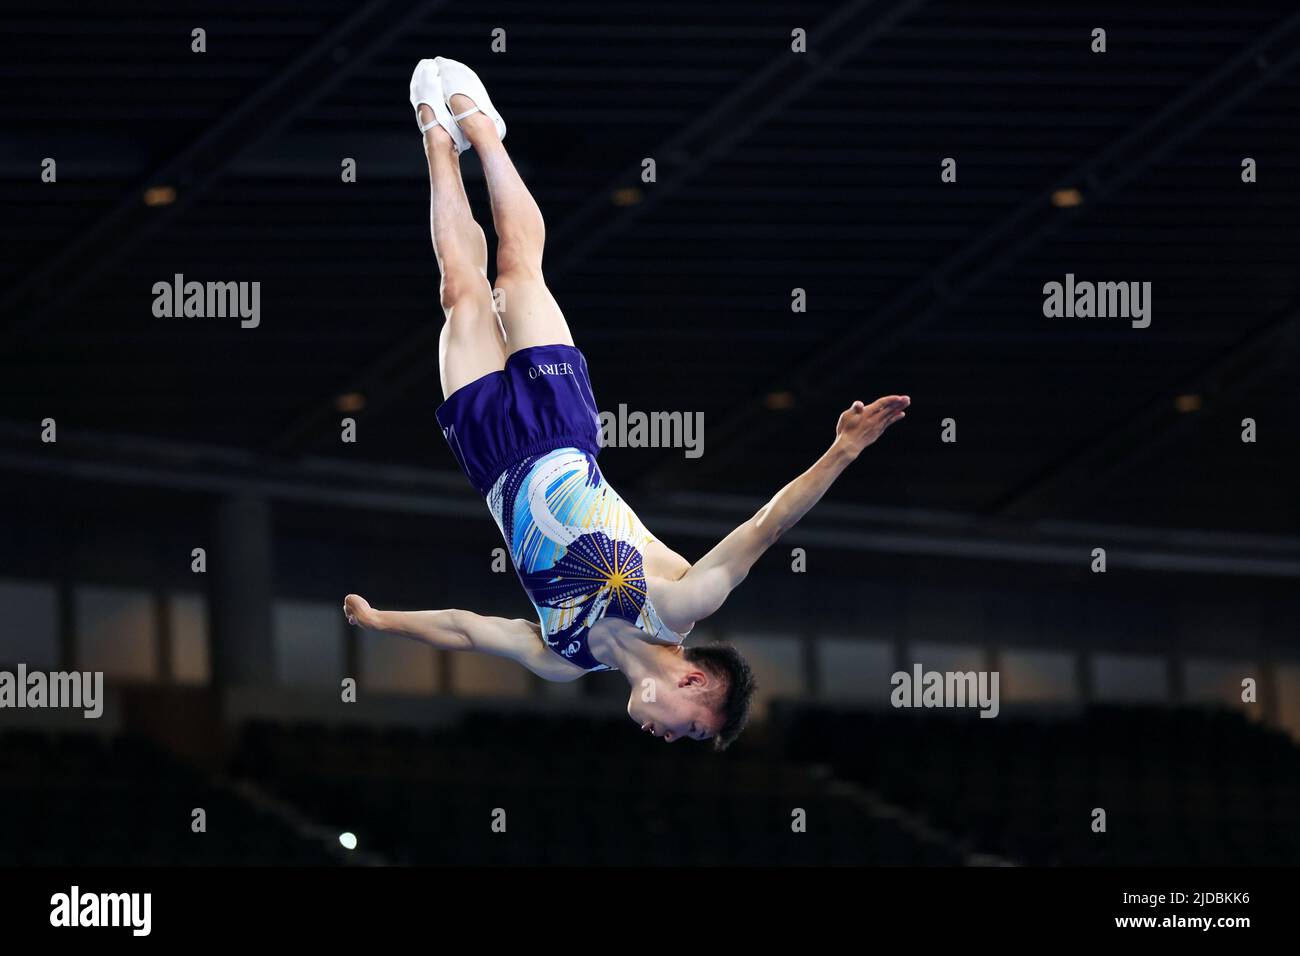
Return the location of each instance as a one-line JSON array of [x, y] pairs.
[[775, 171]]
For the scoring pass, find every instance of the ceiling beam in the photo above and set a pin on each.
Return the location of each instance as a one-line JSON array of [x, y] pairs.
[[136, 461]]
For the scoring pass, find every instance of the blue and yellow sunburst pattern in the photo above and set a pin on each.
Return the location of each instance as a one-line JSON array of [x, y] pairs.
[[577, 546]]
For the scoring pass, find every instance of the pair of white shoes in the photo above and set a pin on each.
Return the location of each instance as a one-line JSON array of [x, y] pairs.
[[435, 82]]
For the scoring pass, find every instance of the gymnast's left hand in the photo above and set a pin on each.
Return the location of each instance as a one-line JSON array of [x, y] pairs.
[[860, 424]]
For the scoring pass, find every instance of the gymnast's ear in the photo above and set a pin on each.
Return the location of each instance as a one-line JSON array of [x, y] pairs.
[[693, 678]]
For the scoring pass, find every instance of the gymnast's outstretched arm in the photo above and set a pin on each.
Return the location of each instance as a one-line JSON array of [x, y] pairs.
[[456, 630], [703, 588]]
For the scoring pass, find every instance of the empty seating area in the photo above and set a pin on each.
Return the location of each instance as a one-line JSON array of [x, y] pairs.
[[83, 799], [573, 791], [1179, 787]]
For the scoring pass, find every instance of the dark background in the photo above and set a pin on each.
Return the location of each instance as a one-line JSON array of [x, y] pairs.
[[775, 171]]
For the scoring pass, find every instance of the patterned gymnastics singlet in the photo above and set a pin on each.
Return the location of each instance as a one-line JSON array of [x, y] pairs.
[[577, 547]]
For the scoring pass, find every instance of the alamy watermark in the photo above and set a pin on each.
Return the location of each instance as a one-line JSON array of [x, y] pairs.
[[633, 429], [62, 690], [1101, 300], [130, 910], [627, 429], [923, 688], [208, 300]]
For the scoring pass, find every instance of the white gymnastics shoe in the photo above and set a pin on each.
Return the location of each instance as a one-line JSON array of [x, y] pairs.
[[456, 78], [426, 88]]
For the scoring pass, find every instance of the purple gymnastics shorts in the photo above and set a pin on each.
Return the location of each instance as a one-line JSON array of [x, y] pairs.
[[540, 401]]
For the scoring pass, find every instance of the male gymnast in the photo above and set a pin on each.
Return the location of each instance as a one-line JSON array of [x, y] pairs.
[[522, 423]]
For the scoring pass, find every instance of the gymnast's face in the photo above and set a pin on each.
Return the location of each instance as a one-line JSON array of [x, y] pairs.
[[678, 710]]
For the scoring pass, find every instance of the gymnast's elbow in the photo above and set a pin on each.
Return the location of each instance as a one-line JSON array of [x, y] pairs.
[[766, 529]]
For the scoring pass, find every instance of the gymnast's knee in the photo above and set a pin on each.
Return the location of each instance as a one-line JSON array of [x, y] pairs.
[[519, 259], [465, 297]]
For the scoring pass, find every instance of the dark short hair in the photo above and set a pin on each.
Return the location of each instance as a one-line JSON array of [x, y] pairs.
[[724, 662]]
